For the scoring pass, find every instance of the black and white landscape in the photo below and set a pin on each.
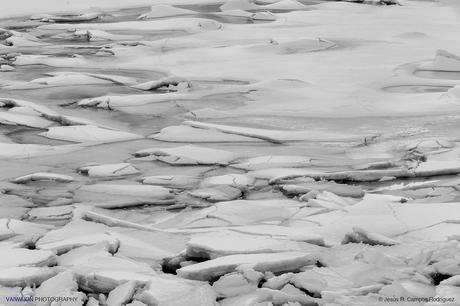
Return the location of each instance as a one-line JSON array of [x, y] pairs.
[[229, 152]]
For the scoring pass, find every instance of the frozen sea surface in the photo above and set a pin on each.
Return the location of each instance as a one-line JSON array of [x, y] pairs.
[[213, 152]]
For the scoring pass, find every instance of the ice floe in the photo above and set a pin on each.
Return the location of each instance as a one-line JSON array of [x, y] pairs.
[[189, 155], [88, 133], [284, 5], [43, 176], [18, 257], [163, 82], [274, 136], [273, 161], [338, 189], [163, 10], [56, 79], [233, 284], [183, 133], [216, 245], [122, 294], [62, 285], [64, 239], [113, 195], [216, 193], [109, 170], [244, 5], [14, 207], [11, 118], [172, 181], [275, 262], [170, 290], [25, 276], [241, 181]]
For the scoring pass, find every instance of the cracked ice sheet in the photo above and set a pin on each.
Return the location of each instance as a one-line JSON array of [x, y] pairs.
[[354, 215], [240, 212], [387, 216], [24, 7], [183, 24], [350, 79], [347, 85]]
